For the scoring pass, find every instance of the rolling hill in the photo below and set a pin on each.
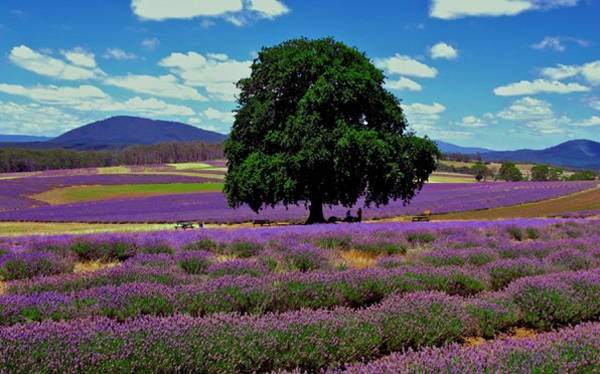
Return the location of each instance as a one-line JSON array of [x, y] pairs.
[[453, 148], [119, 132], [583, 154], [22, 138]]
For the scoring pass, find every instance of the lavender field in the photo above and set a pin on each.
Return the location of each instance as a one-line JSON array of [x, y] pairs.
[[362, 298], [212, 207]]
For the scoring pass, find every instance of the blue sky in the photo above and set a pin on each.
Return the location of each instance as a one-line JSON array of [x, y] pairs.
[[501, 74]]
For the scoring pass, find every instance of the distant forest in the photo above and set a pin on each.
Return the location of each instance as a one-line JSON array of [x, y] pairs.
[[22, 160]]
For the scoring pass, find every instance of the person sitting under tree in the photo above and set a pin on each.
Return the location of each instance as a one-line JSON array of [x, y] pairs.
[[349, 217]]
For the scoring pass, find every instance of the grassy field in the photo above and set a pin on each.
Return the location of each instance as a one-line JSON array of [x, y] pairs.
[[76, 194], [581, 201], [50, 228], [450, 178]]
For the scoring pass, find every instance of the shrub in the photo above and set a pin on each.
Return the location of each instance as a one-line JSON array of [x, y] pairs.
[[194, 262], [245, 249], [305, 258], [419, 238], [32, 264], [382, 248], [237, 267], [111, 251], [532, 233], [156, 249], [334, 243], [515, 233], [505, 271], [202, 245]]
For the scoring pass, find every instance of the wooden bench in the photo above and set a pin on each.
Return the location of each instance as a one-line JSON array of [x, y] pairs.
[[261, 222], [425, 217], [184, 225]]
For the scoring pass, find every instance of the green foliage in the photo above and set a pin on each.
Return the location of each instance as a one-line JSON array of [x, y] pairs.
[[21, 160], [480, 171], [194, 265], [585, 175], [208, 245], [415, 238], [540, 173], [245, 249], [555, 174], [315, 125], [510, 172], [532, 233], [515, 232]]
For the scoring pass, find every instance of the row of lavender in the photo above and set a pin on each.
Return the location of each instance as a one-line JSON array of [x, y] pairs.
[[569, 350], [212, 207], [15, 193], [304, 339], [486, 263], [123, 319]]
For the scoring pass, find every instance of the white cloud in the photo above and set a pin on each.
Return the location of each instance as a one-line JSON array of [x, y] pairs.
[[269, 8], [151, 43], [594, 103], [538, 115], [217, 75], [443, 50], [118, 54], [163, 86], [551, 43], [68, 96], [589, 71], [472, 122], [402, 84], [560, 72], [80, 57], [83, 68], [234, 11], [214, 114], [453, 9], [422, 117], [527, 109], [158, 10], [35, 119], [590, 122], [539, 86], [557, 43], [92, 99], [405, 65]]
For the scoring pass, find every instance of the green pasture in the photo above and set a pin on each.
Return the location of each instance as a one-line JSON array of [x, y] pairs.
[[76, 194]]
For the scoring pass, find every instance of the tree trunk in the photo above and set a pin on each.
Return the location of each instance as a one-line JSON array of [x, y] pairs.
[[316, 212]]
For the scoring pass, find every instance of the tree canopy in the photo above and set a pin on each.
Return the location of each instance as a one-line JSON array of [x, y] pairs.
[[315, 125], [481, 171], [510, 172], [540, 173]]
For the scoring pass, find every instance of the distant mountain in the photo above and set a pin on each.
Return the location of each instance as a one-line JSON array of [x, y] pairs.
[[119, 132], [583, 154], [452, 148], [22, 138], [124, 130]]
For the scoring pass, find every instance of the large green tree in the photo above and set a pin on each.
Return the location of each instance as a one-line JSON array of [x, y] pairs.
[[315, 126]]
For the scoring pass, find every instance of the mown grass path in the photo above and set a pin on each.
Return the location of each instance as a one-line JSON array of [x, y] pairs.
[[77, 194]]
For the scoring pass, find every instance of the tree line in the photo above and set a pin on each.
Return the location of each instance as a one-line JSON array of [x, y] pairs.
[[24, 160], [510, 172]]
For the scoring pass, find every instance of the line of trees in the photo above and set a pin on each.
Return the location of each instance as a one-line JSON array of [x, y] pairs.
[[23, 160], [510, 172]]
